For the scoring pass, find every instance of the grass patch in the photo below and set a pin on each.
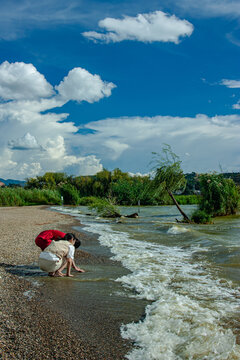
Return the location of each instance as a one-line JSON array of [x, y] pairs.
[[24, 197]]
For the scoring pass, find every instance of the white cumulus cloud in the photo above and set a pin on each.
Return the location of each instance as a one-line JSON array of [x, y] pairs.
[[27, 124], [80, 85], [22, 81], [86, 165], [32, 169], [155, 26], [209, 140], [27, 142]]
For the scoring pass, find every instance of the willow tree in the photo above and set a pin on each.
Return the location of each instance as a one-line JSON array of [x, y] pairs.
[[168, 175]]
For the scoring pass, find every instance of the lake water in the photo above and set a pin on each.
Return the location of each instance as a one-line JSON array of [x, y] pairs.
[[188, 276]]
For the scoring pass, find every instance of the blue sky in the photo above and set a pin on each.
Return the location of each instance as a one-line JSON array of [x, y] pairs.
[[92, 84]]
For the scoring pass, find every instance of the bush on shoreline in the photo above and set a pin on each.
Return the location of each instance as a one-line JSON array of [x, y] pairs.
[[22, 197], [104, 208], [201, 217], [70, 194], [220, 197], [18, 196]]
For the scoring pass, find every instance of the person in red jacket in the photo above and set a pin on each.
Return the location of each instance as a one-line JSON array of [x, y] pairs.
[[45, 238]]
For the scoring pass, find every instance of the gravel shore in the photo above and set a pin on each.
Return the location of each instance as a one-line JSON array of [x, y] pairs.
[[29, 329]]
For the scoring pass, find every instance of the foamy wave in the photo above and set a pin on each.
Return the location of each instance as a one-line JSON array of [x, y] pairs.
[[175, 230], [184, 322], [186, 319], [179, 329]]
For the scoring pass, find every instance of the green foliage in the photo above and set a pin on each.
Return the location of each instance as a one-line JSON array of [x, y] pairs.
[[104, 208], [87, 201], [84, 184], [126, 189], [234, 175], [70, 194], [20, 197], [129, 191], [49, 180], [168, 173], [220, 196], [169, 176], [188, 199], [201, 217], [10, 197], [42, 197]]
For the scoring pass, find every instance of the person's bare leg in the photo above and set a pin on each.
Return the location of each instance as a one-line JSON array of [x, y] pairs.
[[59, 271], [58, 274]]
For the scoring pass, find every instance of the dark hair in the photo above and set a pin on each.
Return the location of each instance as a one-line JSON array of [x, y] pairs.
[[77, 243], [69, 236]]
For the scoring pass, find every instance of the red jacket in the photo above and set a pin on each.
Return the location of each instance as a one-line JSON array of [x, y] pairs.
[[45, 237]]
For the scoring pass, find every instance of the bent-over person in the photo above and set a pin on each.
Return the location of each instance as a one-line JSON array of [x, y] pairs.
[[58, 255]]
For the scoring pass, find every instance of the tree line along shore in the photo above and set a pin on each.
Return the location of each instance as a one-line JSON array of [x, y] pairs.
[[215, 194], [57, 188]]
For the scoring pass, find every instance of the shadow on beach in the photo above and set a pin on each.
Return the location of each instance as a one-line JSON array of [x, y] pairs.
[[24, 270]]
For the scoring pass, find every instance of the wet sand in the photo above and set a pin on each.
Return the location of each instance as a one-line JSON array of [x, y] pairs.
[[30, 328]]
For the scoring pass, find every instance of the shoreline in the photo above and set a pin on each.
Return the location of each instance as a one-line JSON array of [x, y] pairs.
[[29, 326]]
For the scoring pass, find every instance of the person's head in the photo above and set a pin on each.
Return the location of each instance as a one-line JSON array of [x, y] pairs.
[[70, 237], [73, 239]]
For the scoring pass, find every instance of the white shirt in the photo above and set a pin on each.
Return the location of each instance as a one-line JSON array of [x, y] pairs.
[[71, 252]]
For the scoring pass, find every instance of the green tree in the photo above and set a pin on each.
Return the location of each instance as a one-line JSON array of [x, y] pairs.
[[169, 176], [104, 177], [117, 174], [220, 196], [84, 185], [70, 194], [129, 191], [49, 180]]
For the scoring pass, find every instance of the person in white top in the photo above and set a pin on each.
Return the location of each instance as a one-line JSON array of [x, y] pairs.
[[59, 255]]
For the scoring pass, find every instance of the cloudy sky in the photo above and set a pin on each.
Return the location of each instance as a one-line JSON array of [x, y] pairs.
[[92, 84]]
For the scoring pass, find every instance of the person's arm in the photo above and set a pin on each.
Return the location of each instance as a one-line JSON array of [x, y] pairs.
[[70, 259], [76, 267], [69, 266]]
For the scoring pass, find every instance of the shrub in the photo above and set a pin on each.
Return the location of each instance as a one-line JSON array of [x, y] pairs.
[[220, 196], [104, 208], [201, 217], [11, 197], [70, 194], [20, 197]]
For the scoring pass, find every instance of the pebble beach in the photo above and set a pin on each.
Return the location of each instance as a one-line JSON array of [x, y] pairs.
[[29, 328]]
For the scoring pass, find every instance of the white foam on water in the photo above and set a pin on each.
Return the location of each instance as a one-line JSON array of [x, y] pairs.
[[71, 211], [190, 305], [175, 230]]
